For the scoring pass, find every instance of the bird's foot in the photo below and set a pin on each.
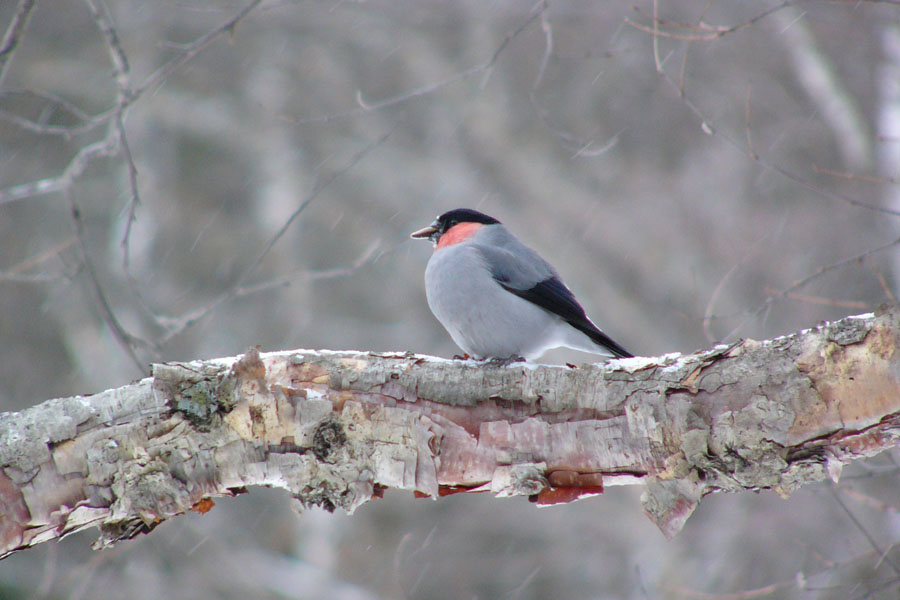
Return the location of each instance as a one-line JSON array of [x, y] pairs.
[[505, 362], [461, 357]]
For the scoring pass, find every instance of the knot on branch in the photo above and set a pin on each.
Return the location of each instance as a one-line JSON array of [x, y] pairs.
[[328, 438]]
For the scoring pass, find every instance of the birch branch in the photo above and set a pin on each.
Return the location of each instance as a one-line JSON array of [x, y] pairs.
[[336, 429]]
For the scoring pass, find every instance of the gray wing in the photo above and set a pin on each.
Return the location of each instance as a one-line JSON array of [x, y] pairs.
[[521, 271]]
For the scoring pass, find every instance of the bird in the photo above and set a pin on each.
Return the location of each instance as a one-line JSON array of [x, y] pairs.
[[497, 298]]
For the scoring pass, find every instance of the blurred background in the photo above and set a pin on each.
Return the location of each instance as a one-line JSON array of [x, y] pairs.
[[697, 171]]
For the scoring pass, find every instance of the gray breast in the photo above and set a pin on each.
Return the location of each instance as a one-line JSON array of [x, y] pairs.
[[482, 318]]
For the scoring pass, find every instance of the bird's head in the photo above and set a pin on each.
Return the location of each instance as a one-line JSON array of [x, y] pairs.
[[453, 226]]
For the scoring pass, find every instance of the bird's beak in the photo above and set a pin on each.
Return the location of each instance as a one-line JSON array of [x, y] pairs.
[[426, 233]]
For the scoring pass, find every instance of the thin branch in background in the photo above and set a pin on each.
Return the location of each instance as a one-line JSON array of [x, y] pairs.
[[134, 200], [881, 281], [539, 9], [707, 127], [114, 143], [891, 583], [547, 28], [579, 147], [68, 132], [102, 18], [193, 49], [851, 304], [127, 341], [104, 148], [761, 592], [867, 500], [320, 186], [31, 278], [708, 314], [683, 70], [700, 32], [121, 71], [854, 176], [655, 35], [785, 293], [711, 33], [883, 554], [367, 107], [687, 48], [800, 582], [747, 122], [368, 256], [841, 263], [119, 60], [17, 271], [177, 325], [110, 144], [13, 35]]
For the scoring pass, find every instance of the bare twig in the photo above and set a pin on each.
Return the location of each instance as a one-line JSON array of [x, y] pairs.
[[483, 68], [86, 121], [119, 60], [13, 35], [102, 18], [579, 147], [851, 304], [17, 271], [854, 176], [747, 122], [655, 34], [111, 144], [41, 257], [867, 499], [882, 281], [83, 158], [701, 31], [369, 255], [193, 49], [866, 534], [127, 341], [785, 293], [761, 592], [707, 127], [708, 314], [123, 84], [178, 325]]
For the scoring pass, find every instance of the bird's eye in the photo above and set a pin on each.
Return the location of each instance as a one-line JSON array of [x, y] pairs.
[[452, 222]]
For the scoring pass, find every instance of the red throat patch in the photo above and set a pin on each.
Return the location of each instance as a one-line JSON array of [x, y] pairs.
[[458, 233]]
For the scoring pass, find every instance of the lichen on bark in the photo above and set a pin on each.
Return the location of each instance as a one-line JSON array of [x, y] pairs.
[[335, 429]]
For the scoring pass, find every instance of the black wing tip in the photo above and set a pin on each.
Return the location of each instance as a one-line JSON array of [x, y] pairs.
[[601, 339], [553, 296], [621, 352]]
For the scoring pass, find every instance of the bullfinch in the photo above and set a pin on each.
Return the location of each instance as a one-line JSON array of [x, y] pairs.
[[497, 298]]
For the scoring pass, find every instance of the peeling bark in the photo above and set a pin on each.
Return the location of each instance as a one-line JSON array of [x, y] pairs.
[[337, 428]]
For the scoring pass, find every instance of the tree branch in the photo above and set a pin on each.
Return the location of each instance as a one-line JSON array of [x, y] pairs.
[[337, 428]]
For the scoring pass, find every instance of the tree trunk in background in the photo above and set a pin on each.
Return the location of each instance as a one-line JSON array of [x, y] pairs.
[[888, 124], [337, 428]]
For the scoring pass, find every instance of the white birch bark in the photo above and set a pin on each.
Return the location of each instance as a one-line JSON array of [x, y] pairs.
[[337, 428]]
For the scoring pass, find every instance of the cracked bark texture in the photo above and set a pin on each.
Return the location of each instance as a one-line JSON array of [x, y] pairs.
[[337, 428]]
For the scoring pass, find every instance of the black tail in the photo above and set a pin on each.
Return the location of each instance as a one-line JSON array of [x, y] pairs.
[[598, 337]]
